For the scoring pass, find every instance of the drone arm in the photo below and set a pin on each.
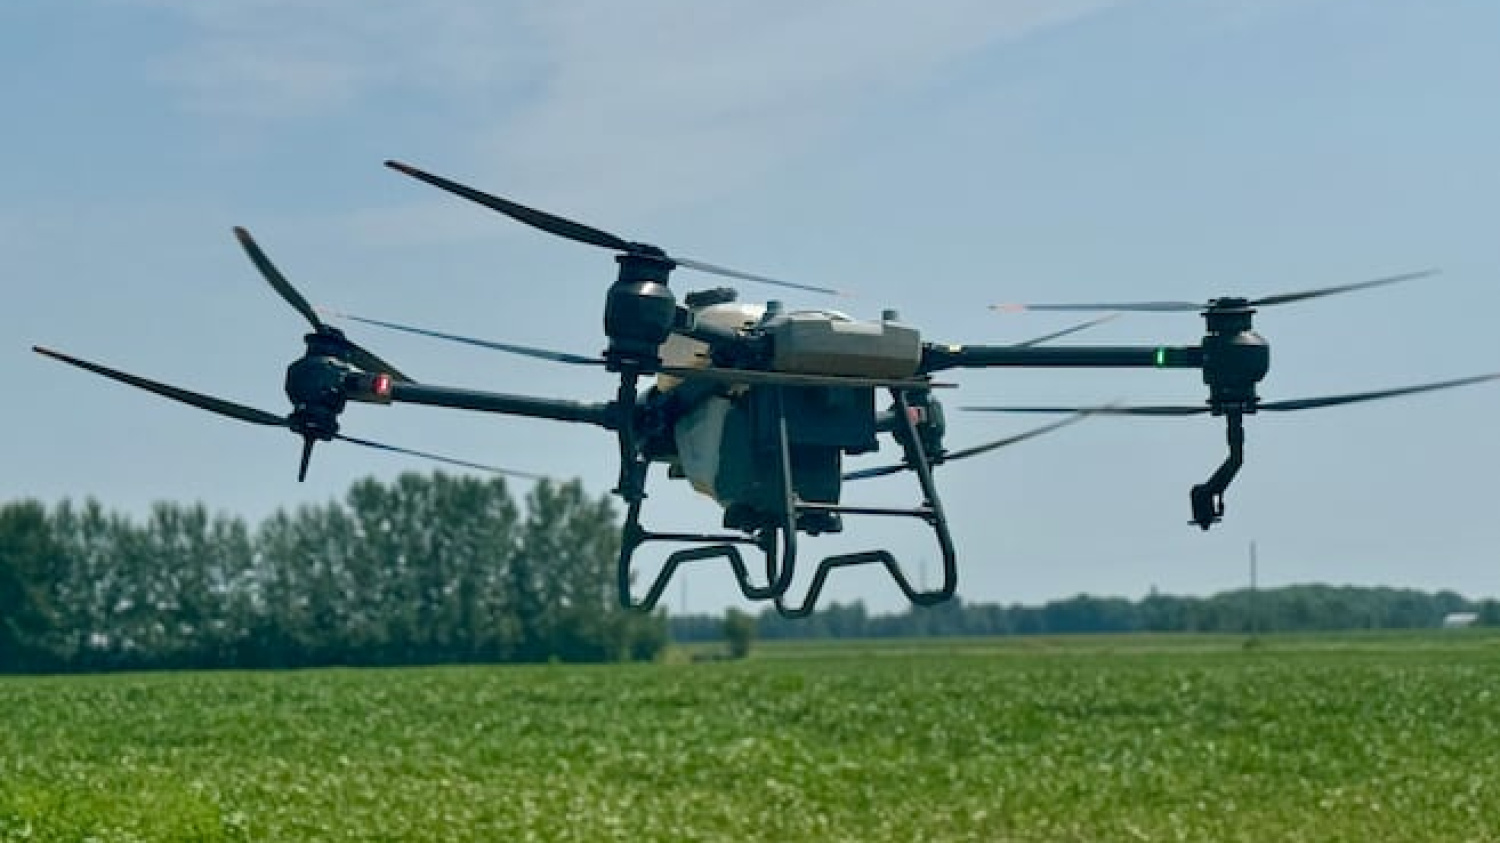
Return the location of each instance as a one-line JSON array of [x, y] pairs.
[[937, 357], [494, 402]]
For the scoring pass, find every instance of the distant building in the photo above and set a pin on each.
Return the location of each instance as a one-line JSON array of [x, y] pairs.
[[1460, 620]]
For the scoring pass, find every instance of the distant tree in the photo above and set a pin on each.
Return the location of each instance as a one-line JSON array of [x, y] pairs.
[[847, 621], [440, 545], [450, 568], [93, 590], [699, 627], [428, 568], [29, 555], [298, 600], [739, 632], [1489, 613], [1163, 613], [1085, 613], [564, 574], [184, 564]]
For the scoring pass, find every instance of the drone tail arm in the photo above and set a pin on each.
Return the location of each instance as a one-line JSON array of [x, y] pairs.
[[554, 409], [938, 357]]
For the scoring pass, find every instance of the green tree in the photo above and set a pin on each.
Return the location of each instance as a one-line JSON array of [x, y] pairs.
[[563, 577], [92, 591], [29, 555], [739, 633], [188, 562], [1489, 613], [301, 596], [458, 537]]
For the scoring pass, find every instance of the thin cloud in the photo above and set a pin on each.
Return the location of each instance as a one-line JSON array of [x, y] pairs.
[[635, 96], [279, 60], [602, 106]]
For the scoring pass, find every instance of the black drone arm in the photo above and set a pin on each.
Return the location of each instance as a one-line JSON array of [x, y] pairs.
[[555, 409], [937, 357]]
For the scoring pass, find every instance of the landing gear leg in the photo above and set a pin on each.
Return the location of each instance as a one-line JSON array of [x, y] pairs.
[[1208, 498]]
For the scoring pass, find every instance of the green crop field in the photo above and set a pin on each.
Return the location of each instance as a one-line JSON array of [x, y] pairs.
[[1357, 738]]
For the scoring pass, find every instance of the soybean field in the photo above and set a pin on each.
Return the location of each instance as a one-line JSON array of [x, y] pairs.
[[1378, 737]]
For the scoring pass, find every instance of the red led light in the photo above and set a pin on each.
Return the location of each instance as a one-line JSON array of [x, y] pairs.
[[382, 386]]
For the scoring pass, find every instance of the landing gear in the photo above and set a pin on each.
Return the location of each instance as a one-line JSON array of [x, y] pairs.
[[774, 534]]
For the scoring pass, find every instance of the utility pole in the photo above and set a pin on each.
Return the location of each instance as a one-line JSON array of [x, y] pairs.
[[1254, 607]]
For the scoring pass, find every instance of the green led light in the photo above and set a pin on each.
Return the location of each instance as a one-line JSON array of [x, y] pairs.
[[1161, 357]]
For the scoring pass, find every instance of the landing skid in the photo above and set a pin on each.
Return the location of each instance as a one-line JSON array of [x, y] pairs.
[[778, 542]]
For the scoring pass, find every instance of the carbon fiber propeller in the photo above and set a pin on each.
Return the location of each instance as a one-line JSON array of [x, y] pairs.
[[260, 417], [355, 354], [1290, 404], [587, 234], [964, 453], [1189, 307]]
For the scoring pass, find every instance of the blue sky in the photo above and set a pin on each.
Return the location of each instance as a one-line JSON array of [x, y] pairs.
[[933, 157]]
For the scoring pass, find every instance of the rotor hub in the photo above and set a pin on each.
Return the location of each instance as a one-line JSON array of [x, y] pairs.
[[315, 386], [327, 341], [1235, 357], [639, 309]]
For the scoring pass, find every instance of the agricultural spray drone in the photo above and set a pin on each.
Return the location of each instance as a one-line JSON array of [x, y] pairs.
[[757, 406]]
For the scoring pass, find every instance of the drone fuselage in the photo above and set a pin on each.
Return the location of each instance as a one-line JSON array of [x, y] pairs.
[[724, 438]]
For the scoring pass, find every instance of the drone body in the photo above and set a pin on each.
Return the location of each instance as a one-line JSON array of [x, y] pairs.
[[722, 433], [758, 407]]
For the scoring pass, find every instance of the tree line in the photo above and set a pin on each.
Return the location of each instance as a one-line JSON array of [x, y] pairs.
[[437, 568], [1299, 608], [424, 569]]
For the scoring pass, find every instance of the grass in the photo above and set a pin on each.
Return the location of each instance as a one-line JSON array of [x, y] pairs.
[[1374, 737]]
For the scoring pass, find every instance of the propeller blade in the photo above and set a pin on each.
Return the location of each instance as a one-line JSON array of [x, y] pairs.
[[580, 233], [550, 223], [1284, 298], [1081, 326], [1290, 404], [308, 440], [525, 475], [359, 356], [254, 416], [278, 281], [878, 471], [1138, 307], [712, 269], [528, 351], [1106, 410], [1356, 397], [1186, 306], [205, 402], [974, 451], [369, 362]]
